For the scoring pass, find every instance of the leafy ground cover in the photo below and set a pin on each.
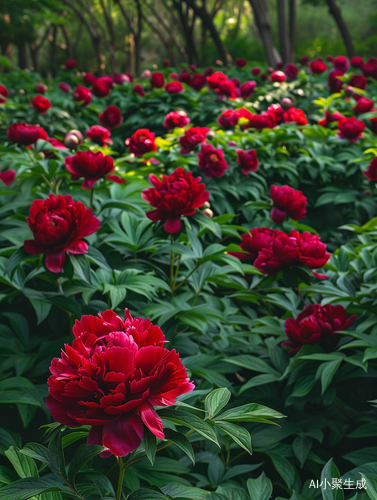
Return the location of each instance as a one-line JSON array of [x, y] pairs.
[[235, 208]]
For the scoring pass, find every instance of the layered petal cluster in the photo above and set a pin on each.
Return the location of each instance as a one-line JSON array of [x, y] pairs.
[[295, 115], [8, 176], [277, 76], [371, 172], [350, 129], [212, 161], [228, 119], [102, 86], [91, 166], [287, 202], [58, 225], [316, 324], [24, 134], [330, 118], [3, 94], [41, 104], [157, 80], [174, 87], [247, 160], [317, 67], [176, 195], [112, 377], [82, 95], [99, 135], [141, 142], [192, 138], [111, 117], [222, 85], [176, 119]]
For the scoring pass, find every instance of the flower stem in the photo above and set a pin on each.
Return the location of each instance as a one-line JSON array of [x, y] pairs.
[[120, 480], [48, 182], [91, 197]]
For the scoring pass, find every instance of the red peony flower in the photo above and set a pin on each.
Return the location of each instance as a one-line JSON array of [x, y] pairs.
[[64, 87], [141, 142], [192, 138], [198, 81], [277, 111], [279, 65], [185, 77], [246, 115], [291, 71], [236, 81], [58, 225], [212, 161], [101, 87], [282, 252], [254, 241], [111, 117], [228, 119], [176, 119], [7, 177], [157, 80], [120, 79], [247, 160], [40, 88], [240, 63], [373, 122], [41, 104], [330, 118], [82, 95], [91, 166], [295, 115], [99, 135], [371, 173], [3, 94], [312, 251], [264, 120], [317, 67], [316, 324], [358, 81], [304, 60], [215, 79], [139, 90], [70, 64], [24, 134], [174, 87], [227, 89], [341, 63], [89, 78], [330, 58], [370, 69], [277, 76], [363, 105], [247, 89], [287, 202], [350, 128], [177, 195], [112, 377], [333, 82], [357, 61], [255, 71]]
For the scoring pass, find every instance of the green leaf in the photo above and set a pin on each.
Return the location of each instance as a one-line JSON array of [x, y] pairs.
[[259, 488], [328, 371], [252, 412], [239, 435], [216, 400], [284, 468], [29, 487], [329, 472], [371, 486], [150, 445], [83, 454], [181, 441], [192, 421], [146, 494]]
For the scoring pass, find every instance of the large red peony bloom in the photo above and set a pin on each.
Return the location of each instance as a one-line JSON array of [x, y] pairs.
[[253, 242], [157, 80], [91, 166], [111, 117], [247, 89], [291, 70], [264, 120], [241, 63], [174, 87], [102, 87], [333, 82], [350, 129], [358, 81], [3, 94], [112, 377], [330, 118], [41, 104], [138, 89], [192, 138], [371, 173], [228, 119], [363, 105], [247, 160], [317, 67], [357, 61], [24, 134], [89, 78], [141, 142], [82, 95], [99, 135], [277, 111], [295, 115], [198, 81], [277, 76], [176, 119], [58, 225], [64, 87], [212, 161], [177, 195], [287, 202], [317, 324], [70, 64], [341, 63]]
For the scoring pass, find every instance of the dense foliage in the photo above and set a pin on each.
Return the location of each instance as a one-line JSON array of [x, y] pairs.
[[261, 276]]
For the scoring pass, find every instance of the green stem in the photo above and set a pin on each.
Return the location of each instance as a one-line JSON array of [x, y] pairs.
[[91, 196], [120, 480], [187, 277], [172, 266], [176, 270], [47, 182]]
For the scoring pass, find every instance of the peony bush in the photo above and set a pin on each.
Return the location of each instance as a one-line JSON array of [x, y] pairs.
[[185, 259]]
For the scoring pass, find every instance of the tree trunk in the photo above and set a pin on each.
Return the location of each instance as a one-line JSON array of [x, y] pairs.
[[22, 55], [292, 29], [342, 27], [262, 20], [67, 41], [282, 28], [112, 37], [52, 49], [191, 51], [138, 37]]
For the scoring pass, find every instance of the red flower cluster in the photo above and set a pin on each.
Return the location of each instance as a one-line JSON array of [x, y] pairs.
[[316, 325], [295, 115], [58, 225], [247, 160], [91, 166], [64, 87], [371, 173], [192, 138], [176, 119], [291, 71], [89, 78], [223, 86], [350, 128], [138, 89], [240, 63], [330, 118], [41, 104], [228, 119], [112, 377], [212, 161], [99, 135], [341, 63], [333, 81], [287, 202], [102, 86], [177, 195], [111, 117], [141, 142], [264, 120], [247, 89], [82, 95]]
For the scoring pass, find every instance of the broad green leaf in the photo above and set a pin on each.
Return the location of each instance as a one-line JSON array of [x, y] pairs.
[[259, 488], [216, 400]]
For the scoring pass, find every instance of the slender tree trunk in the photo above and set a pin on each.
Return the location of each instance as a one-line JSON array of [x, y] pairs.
[[112, 37], [138, 37], [52, 49], [283, 34], [342, 27], [262, 20], [22, 55], [67, 41], [292, 29]]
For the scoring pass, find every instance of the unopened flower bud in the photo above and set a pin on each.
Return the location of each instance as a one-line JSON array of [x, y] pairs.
[[286, 103], [208, 213]]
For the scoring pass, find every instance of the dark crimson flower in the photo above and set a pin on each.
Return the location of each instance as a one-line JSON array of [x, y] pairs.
[[41, 104], [8, 176], [58, 225], [330, 58], [363, 105], [241, 63], [295, 115], [111, 117], [371, 173], [40, 88], [64, 87], [208, 72], [101, 87], [192, 138], [91, 166], [3, 94], [263, 77], [254, 241], [370, 69], [264, 120], [316, 324], [333, 82], [89, 78], [373, 122], [372, 60], [350, 128], [291, 70], [227, 88], [157, 80], [304, 60], [141, 142], [279, 65], [23, 134], [176, 119], [247, 160], [198, 81], [228, 119], [42, 133], [317, 67], [277, 76], [112, 377], [192, 67], [236, 81], [185, 77], [312, 251], [341, 63], [99, 135], [212, 161], [215, 79], [121, 78], [357, 61], [70, 64], [277, 111], [287, 202], [174, 87], [174, 76], [358, 81], [247, 89], [177, 195], [255, 71], [245, 114], [165, 64], [330, 118], [282, 252], [82, 95], [139, 90]]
